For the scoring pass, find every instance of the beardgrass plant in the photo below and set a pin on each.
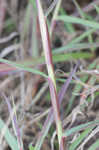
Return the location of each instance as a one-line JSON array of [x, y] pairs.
[[74, 50], [51, 75]]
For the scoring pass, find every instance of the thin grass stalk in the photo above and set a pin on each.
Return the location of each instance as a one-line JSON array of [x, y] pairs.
[[49, 64]]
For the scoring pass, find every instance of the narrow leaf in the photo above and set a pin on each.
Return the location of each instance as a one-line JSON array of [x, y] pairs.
[[76, 20], [11, 140]]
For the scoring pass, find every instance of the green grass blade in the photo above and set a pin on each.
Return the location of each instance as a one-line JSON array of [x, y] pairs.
[[31, 147], [33, 3], [57, 58], [12, 142], [39, 143], [75, 47], [82, 14], [82, 36], [76, 20], [97, 8], [65, 57], [69, 27], [26, 21], [79, 9], [22, 67], [80, 139], [27, 64], [94, 146], [80, 127]]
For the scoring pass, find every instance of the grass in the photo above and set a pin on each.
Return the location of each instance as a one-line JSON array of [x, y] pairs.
[[79, 50], [8, 136]]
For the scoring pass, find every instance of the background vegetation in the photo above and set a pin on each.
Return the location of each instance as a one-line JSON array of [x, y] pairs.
[[49, 75]]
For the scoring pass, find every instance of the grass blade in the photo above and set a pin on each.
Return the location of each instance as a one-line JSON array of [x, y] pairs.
[[94, 146], [76, 20], [22, 67], [75, 47], [11, 140], [80, 139], [80, 127]]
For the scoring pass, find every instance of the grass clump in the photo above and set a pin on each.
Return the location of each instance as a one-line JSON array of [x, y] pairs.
[[32, 66]]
